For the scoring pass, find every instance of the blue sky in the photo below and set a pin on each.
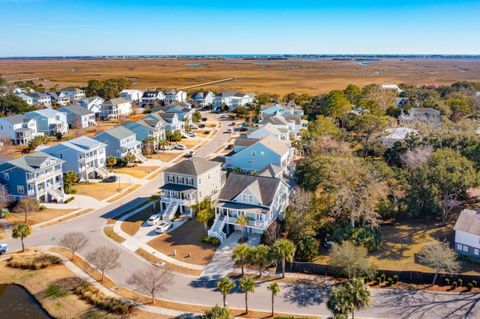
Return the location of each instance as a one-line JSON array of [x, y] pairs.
[[45, 27]]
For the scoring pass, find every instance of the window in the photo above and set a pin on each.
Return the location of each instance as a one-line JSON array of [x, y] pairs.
[[459, 246], [199, 181], [262, 154], [250, 198], [476, 251], [7, 176], [20, 189], [465, 248], [253, 154], [244, 197]]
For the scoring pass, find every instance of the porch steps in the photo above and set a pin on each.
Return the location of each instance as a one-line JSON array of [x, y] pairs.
[[58, 195], [172, 207], [217, 228]]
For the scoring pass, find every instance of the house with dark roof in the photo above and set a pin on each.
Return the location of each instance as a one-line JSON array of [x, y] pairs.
[[78, 116], [202, 99], [189, 182], [467, 233], [74, 94], [36, 99], [37, 175], [173, 121], [420, 114], [253, 155], [82, 155], [59, 98], [262, 199], [19, 129], [151, 97], [120, 141]]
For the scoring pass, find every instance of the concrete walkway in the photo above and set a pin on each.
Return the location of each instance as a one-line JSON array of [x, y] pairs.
[[222, 263]]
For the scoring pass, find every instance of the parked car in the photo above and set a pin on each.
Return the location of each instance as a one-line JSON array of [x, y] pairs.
[[3, 249], [153, 220], [231, 124], [163, 227], [204, 119], [110, 179], [201, 125], [180, 147], [190, 154], [191, 134], [224, 116], [229, 131], [328, 244]]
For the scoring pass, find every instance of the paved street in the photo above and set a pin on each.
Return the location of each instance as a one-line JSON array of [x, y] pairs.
[[300, 299]]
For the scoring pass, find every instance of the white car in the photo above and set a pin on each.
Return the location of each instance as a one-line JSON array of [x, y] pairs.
[[3, 249], [163, 227], [153, 220], [180, 147], [191, 134]]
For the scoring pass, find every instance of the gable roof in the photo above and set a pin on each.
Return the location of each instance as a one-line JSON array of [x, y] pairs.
[[33, 161], [15, 119], [245, 141], [274, 144], [76, 109], [119, 132], [116, 101], [43, 112], [264, 188], [271, 171], [469, 222], [193, 166]]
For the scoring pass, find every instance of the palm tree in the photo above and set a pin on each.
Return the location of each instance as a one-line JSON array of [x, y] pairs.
[[283, 249], [225, 286], [240, 255], [111, 161], [242, 221], [21, 231], [247, 285], [71, 177], [260, 256], [349, 296], [204, 211], [275, 289]]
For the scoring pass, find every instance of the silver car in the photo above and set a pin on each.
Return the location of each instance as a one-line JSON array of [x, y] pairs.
[[3, 249], [163, 227]]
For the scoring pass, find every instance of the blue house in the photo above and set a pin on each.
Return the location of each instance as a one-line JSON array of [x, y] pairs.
[[151, 127], [49, 121], [120, 141], [37, 175], [172, 120], [83, 155], [254, 155]]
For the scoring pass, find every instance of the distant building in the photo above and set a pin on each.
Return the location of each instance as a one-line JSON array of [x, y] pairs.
[[78, 116], [202, 99], [115, 108], [149, 128], [150, 98], [396, 134], [37, 175], [36, 99], [261, 199], [120, 141], [131, 95], [392, 87], [49, 121], [232, 100], [93, 104], [59, 98], [467, 233], [425, 115], [172, 97], [75, 94]]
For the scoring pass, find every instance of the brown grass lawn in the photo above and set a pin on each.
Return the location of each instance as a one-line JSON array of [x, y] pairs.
[[279, 77], [124, 193], [155, 260], [402, 241], [191, 143], [113, 235], [99, 191], [203, 133], [37, 217], [37, 282], [63, 219], [185, 240], [165, 156], [2, 232], [133, 223], [136, 171]]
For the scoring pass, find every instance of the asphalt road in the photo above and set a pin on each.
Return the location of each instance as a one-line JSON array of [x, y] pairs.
[[299, 299]]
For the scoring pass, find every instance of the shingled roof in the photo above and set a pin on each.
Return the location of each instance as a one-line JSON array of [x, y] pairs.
[[469, 222], [194, 166]]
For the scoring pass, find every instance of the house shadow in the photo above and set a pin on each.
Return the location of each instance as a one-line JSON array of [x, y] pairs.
[[125, 208]]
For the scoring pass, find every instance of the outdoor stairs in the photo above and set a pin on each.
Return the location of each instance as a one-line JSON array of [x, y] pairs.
[[171, 209], [217, 228], [58, 195], [140, 157]]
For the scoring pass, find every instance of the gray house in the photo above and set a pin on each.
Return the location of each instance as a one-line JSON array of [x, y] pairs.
[[83, 155], [18, 129], [37, 175], [49, 121], [78, 116], [120, 141]]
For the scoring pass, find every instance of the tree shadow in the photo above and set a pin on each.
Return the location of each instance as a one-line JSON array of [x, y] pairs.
[[305, 295], [204, 282]]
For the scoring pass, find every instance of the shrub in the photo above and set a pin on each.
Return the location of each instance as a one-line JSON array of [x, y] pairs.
[[447, 281], [395, 279], [307, 248], [460, 282], [42, 207], [68, 200], [33, 261], [379, 280], [383, 276], [214, 241], [454, 284], [390, 281], [367, 237], [55, 290], [474, 283], [97, 298], [469, 286]]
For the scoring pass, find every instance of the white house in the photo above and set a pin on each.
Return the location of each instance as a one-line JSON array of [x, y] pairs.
[[189, 182], [19, 129], [392, 87], [290, 123], [59, 98], [75, 94], [270, 109], [83, 155], [261, 199], [131, 95], [93, 104], [202, 99], [231, 100], [78, 116], [36, 99], [115, 108], [396, 134], [172, 97], [467, 233]]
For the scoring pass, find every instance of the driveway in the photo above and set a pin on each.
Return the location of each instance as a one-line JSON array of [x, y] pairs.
[[300, 299]]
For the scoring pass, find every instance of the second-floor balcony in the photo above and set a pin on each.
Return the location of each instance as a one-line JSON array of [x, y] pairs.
[[186, 194], [257, 216], [23, 133]]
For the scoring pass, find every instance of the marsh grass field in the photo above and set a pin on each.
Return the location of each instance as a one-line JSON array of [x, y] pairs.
[[276, 76]]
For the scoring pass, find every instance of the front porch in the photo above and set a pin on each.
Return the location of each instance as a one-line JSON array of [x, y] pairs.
[[184, 196]]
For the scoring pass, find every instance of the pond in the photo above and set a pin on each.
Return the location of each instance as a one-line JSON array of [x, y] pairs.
[[16, 302]]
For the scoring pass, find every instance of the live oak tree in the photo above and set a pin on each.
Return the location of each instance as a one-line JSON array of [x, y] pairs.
[[439, 256], [350, 260], [111, 161], [26, 206]]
